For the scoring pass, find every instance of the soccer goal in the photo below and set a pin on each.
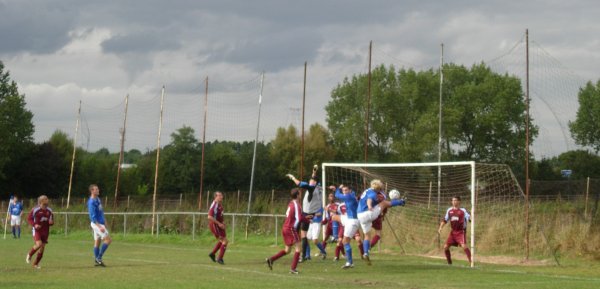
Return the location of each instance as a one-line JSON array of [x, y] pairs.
[[489, 192]]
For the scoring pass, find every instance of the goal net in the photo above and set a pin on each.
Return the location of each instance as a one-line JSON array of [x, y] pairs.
[[489, 192]]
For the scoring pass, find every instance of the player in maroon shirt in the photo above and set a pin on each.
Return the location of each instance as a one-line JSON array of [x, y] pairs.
[[458, 218], [378, 223], [290, 232], [217, 227], [330, 209], [40, 218]]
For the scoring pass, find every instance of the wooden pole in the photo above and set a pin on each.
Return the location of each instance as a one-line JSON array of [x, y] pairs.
[[162, 101], [203, 144], [302, 137], [526, 144], [368, 106], [439, 171], [429, 202], [121, 153], [587, 194], [73, 158]]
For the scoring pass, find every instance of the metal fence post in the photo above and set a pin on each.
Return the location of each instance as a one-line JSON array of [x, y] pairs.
[[233, 229], [193, 226], [66, 223], [276, 231], [157, 224], [124, 224]]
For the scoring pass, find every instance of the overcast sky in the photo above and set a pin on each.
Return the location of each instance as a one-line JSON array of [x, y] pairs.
[[60, 52]]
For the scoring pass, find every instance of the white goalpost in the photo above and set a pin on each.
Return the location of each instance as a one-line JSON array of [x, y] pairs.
[[490, 192]]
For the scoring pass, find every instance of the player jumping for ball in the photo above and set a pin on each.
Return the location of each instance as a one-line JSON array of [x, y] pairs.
[[217, 227], [458, 218], [293, 218], [369, 210], [40, 218], [349, 221]]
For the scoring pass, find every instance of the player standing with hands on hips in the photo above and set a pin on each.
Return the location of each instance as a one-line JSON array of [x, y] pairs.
[[98, 225]]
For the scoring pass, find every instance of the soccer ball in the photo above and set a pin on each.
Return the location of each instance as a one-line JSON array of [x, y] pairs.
[[394, 194]]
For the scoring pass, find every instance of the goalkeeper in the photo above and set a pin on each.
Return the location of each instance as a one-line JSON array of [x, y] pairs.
[[312, 204]]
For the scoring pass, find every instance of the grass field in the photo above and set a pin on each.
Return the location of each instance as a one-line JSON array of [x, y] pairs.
[[178, 262]]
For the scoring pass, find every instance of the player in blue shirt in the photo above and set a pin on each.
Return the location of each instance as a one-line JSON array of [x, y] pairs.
[[98, 225], [349, 221], [369, 209], [16, 211]]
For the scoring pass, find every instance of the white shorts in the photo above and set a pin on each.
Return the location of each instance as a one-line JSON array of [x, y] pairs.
[[350, 227], [366, 218], [15, 220], [313, 231], [97, 234]]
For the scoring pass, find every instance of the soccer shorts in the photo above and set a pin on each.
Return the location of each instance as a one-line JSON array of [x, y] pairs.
[[217, 231], [290, 236], [378, 223], [329, 229], [350, 227], [457, 238], [15, 220], [40, 236], [366, 218], [97, 234], [313, 231]]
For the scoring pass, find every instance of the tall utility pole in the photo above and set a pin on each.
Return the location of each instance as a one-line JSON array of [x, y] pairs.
[[73, 158], [162, 101], [368, 106], [121, 153], [527, 144], [203, 142], [262, 78], [439, 176], [302, 138]]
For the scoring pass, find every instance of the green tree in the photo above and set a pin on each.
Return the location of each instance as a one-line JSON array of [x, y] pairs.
[[285, 149], [180, 163], [317, 147], [16, 126], [586, 127]]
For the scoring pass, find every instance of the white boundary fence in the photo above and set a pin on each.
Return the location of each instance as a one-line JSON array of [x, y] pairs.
[[196, 216]]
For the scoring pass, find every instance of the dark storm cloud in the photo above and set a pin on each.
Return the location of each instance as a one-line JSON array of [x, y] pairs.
[[36, 27]]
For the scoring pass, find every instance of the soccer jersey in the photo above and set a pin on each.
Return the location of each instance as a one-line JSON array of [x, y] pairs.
[[366, 195], [350, 202], [16, 208], [293, 215], [216, 211], [312, 202], [42, 217], [458, 218], [96, 211], [330, 209]]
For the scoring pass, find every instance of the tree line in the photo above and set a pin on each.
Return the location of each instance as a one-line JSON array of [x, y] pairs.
[[483, 120]]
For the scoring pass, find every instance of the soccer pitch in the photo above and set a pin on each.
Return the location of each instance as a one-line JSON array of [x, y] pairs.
[[177, 262]]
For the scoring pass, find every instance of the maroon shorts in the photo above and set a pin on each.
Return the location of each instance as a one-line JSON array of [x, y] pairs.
[[377, 224], [290, 236], [217, 232], [456, 238], [40, 236]]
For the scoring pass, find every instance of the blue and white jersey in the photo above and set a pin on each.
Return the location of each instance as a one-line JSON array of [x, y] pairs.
[[96, 211], [318, 218], [367, 194], [350, 201], [16, 208]]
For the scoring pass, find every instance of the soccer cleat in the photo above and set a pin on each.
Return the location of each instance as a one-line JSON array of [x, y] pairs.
[[335, 259], [99, 263], [367, 259], [212, 257], [270, 263], [348, 266], [36, 267], [324, 256], [220, 261], [28, 259], [293, 271]]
